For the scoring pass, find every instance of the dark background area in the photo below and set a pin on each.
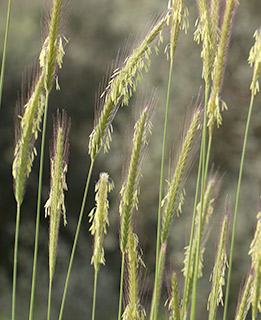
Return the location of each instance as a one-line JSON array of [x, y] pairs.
[[96, 31]]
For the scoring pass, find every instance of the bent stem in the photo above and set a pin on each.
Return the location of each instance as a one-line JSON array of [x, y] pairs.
[[5, 48], [37, 222], [236, 206], [15, 258], [76, 239], [121, 286], [153, 313]]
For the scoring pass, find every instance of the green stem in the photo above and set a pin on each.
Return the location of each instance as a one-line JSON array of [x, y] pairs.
[[153, 313], [76, 239], [184, 307], [15, 258], [121, 286], [37, 222], [49, 300], [94, 294], [5, 48], [203, 186], [236, 206]]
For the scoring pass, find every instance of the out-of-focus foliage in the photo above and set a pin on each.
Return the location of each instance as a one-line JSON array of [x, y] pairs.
[[96, 31]]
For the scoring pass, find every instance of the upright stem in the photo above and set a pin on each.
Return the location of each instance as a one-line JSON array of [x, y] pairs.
[[15, 258], [153, 313], [121, 286], [76, 239], [94, 294], [37, 223], [5, 48], [203, 186], [49, 299], [236, 206]]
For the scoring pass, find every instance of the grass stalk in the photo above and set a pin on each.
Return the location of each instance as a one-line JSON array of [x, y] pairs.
[[121, 286], [203, 187], [153, 314], [76, 239], [15, 259], [94, 294], [49, 300], [7, 26], [236, 206], [37, 223]]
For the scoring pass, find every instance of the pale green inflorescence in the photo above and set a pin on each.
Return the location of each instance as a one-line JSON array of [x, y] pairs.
[[207, 212], [29, 126], [255, 253], [245, 300], [174, 304], [255, 61], [55, 206], [130, 188], [214, 107], [122, 85], [174, 185], [99, 218], [134, 310], [218, 275]]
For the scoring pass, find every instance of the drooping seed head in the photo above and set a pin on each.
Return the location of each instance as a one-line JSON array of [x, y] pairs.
[[123, 83], [27, 128], [54, 207], [99, 218]]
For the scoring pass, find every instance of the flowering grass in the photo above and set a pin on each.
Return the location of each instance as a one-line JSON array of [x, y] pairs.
[[214, 29]]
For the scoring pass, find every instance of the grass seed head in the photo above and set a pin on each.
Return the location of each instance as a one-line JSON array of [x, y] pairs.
[[245, 299], [255, 62], [54, 207], [99, 218]]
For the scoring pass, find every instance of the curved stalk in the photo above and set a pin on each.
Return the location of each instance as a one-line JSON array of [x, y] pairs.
[[121, 286], [94, 294]]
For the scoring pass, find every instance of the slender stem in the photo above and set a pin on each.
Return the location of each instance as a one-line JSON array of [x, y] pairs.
[[153, 313], [15, 258], [76, 239], [121, 286], [49, 300], [94, 294], [5, 48], [236, 206], [37, 222], [203, 186], [184, 308]]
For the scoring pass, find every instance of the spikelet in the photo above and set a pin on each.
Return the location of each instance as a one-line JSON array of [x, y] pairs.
[[214, 106], [255, 61], [99, 218], [171, 197], [121, 87], [134, 310], [54, 207], [130, 188], [255, 253], [215, 30], [28, 128], [218, 275], [178, 14], [52, 51], [203, 33], [245, 299], [174, 302], [209, 198]]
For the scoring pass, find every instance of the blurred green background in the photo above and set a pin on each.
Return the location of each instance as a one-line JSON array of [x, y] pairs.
[[96, 31]]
